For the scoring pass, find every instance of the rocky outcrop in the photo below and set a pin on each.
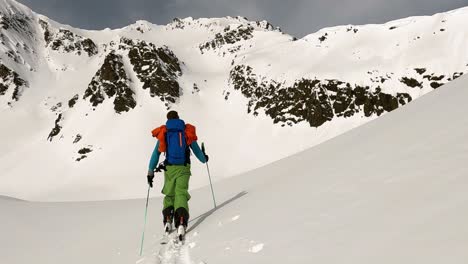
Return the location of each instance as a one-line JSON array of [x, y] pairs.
[[10, 81], [314, 101], [111, 81], [72, 102], [84, 152], [64, 40], [156, 67], [77, 139], [411, 82], [57, 128], [230, 35], [16, 21]]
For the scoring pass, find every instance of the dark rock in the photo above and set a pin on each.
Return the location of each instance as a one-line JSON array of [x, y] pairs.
[[433, 77], [77, 139], [420, 70], [457, 75], [56, 107], [157, 67], [84, 151], [72, 101], [411, 82], [13, 55], [229, 36], [111, 80], [16, 20], [323, 38], [66, 41], [195, 89], [81, 158], [314, 101], [47, 34], [56, 130], [436, 85], [10, 79], [177, 23]]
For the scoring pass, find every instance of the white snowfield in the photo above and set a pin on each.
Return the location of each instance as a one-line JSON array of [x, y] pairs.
[[35, 169], [391, 191]]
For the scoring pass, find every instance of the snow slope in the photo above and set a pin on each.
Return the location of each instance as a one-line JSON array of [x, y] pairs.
[[242, 83], [391, 191]]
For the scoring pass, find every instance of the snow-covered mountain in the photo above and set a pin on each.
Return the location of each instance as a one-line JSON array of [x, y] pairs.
[[391, 191], [77, 106]]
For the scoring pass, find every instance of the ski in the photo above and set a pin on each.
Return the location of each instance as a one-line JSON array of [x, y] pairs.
[[181, 234], [167, 231]]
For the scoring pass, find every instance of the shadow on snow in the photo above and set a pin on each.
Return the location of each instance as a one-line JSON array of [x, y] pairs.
[[199, 219]]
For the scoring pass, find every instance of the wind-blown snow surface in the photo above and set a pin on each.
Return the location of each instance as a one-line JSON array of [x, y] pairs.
[[391, 191], [35, 166]]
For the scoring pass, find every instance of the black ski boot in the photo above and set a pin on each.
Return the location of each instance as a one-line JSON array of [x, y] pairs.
[[181, 220], [168, 216]]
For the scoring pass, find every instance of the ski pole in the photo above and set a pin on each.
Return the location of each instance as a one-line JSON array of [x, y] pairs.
[[209, 176], [144, 225]]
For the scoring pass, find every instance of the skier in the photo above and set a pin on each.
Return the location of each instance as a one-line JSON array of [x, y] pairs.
[[175, 139]]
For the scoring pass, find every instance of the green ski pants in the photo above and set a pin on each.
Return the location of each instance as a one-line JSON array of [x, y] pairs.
[[176, 184]]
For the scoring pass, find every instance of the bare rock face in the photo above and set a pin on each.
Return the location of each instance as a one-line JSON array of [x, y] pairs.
[[10, 80], [111, 81], [66, 41], [229, 36], [16, 21], [72, 101], [314, 101], [156, 67], [56, 129]]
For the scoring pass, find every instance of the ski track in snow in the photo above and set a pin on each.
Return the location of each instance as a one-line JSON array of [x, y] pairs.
[[169, 253]]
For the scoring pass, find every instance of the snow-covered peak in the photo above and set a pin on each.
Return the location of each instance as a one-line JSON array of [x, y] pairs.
[[220, 23], [12, 7], [90, 97], [414, 23]]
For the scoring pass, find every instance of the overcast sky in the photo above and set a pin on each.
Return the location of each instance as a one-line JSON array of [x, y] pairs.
[[296, 17]]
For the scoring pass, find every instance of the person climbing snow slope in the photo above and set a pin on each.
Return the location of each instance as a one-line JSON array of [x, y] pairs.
[[175, 139]]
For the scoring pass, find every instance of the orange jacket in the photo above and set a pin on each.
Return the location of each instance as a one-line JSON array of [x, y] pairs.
[[160, 134]]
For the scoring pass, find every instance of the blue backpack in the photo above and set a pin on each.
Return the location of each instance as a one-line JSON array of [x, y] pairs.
[[177, 150]]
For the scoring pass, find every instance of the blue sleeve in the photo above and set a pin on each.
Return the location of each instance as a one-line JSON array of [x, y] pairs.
[[154, 158], [198, 152]]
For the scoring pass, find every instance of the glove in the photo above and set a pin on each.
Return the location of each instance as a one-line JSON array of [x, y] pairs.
[[204, 153], [150, 178], [160, 168]]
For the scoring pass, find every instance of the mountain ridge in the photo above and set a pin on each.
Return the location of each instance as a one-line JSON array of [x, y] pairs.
[[89, 98]]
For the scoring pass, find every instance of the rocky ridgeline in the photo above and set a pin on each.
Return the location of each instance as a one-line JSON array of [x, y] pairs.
[[17, 29], [63, 40], [214, 24], [314, 101], [319, 101], [228, 36], [16, 21], [112, 81], [156, 67], [11, 83]]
